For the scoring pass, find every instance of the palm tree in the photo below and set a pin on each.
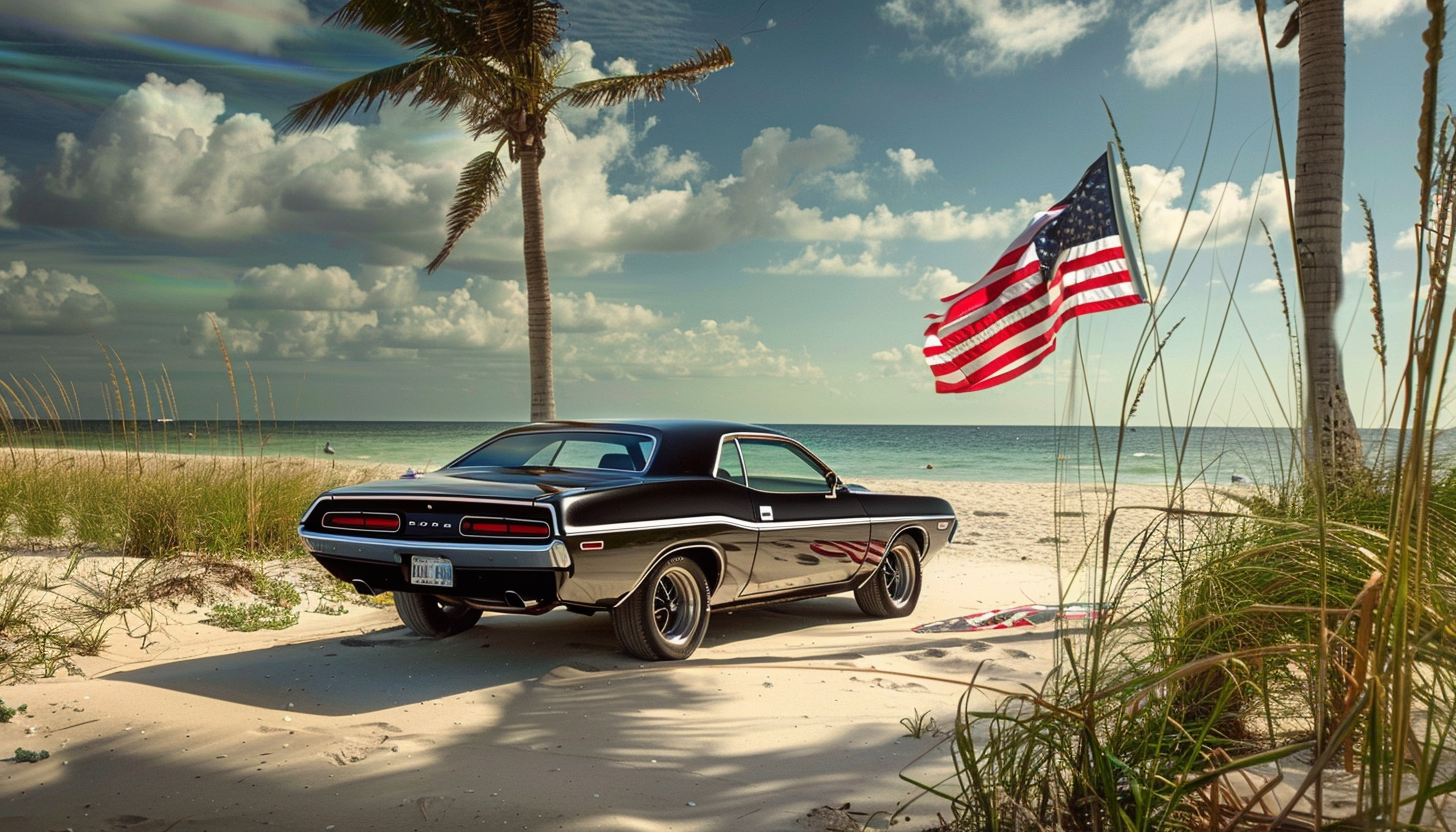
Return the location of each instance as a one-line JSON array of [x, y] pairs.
[[1332, 441], [494, 64]]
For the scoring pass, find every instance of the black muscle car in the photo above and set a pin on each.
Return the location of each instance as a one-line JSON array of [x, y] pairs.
[[656, 522]]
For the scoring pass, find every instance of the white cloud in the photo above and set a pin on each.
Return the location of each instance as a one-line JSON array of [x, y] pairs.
[[934, 284], [1185, 36], [913, 168], [245, 25], [711, 350], [1406, 240], [905, 363], [850, 185], [1365, 17], [1265, 286], [8, 184], [1220, 214], [994, 35], [584, 313], [664, 168], [1356, 260], [163, 161], [166, 160], [827, 260], [304, 287], [306, 312], [41, 301]]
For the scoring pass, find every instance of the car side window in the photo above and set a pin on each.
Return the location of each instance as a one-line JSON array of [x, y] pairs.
[[781, 466], [730, 465]]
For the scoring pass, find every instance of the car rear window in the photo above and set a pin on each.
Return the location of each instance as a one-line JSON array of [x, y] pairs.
[[564, 449]]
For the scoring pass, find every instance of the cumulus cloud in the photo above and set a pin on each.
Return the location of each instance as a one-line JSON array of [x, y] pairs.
[[245, 25], [912, 167], [994, 35], [41, 301], [934, 284], [1265, 286], [1220, 213], [1356, 260], [828, 260], [712, 349], [1185, 36], [316, 313], [1406, 240], [905, 363], [167, 160], [8, 184]]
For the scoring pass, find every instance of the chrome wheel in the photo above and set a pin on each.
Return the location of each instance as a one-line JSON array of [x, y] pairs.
[[675, 606], [895, 572], [894, 589], [667, 615]]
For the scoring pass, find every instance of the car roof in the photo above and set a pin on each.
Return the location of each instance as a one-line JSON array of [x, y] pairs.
[[685, 447]]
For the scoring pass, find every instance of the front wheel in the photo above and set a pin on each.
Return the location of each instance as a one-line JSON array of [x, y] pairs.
[[894, 589], [430, 617], [667, 616]]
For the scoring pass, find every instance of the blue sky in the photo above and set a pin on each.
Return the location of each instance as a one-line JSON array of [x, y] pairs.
[[764, 251]]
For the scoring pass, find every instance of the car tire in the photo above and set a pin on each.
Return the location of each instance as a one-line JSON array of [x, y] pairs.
[[894, 588], [430, 617], [666, 617]]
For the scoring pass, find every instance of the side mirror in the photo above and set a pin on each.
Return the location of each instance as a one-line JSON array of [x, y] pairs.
[[834, 483]]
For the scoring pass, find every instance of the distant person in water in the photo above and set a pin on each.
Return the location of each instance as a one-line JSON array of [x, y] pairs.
[[328, 448]]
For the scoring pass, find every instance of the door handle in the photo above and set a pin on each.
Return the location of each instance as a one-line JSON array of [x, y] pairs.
[[765, 513]]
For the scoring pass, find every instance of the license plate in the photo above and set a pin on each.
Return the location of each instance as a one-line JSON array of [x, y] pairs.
[[431, 571]]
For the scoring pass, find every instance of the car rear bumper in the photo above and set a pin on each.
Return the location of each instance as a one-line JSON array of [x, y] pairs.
[[548, 555]]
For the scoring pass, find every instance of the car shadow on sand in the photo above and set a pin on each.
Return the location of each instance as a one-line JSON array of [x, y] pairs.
[[391, 666]]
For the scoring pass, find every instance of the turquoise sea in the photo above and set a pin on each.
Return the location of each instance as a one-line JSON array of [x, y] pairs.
[[986, 453]]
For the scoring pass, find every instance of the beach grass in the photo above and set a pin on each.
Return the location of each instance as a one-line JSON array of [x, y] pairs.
[[1282, 659], [137, 527]]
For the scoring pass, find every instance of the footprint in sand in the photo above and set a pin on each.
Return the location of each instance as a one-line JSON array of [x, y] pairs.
[[357, 747], [1013, 653]]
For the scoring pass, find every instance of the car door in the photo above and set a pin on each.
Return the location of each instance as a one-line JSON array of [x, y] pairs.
[[809, 533]]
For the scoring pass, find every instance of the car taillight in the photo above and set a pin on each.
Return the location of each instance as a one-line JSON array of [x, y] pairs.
[[503, 527], [360, 521]]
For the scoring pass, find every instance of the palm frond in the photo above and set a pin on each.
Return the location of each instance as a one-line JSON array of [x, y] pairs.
[[480, 183], [432, 25], [522, 27], [440, 82], [608, 92]]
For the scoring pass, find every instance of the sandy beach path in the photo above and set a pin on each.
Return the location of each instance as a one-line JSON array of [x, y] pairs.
[[352, 723]]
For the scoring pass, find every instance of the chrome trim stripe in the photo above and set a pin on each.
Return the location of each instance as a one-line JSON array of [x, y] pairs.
[[467, 555], [718, 519]]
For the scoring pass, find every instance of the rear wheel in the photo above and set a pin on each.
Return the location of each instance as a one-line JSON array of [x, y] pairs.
[[894, 589], [665, 617], [430, 617]]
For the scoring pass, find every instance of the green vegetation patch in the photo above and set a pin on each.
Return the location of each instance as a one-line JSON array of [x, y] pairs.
[[247, 618]]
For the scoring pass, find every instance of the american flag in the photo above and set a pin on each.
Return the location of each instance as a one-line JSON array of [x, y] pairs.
[[1072, 260]]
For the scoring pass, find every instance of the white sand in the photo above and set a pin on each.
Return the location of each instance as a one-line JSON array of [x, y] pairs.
[[351, 723]]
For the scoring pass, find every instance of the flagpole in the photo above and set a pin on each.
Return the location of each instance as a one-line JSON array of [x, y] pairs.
[[1134, 267]]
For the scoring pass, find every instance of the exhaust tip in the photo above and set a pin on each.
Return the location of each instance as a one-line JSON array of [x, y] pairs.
[[514, 599], [363, 588]]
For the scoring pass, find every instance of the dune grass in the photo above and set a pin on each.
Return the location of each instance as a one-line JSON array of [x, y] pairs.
[[126, 533], [1282, 659]]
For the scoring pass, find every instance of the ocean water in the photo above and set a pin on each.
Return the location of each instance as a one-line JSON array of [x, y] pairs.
[[986, 453]]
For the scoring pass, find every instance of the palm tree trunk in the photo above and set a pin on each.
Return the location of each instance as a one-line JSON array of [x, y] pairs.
[[538, 287], [1332, 443]]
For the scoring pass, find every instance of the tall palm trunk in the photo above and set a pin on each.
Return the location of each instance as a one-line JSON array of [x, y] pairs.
[[1332, 443], [538, 286]]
